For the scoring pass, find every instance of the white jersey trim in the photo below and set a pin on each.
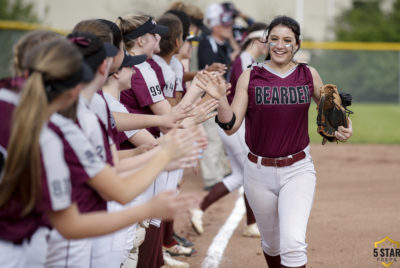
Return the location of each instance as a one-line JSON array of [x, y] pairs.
[[169, 76], [9, 96], [116, 106], [56, 169], [150, 78], [99, 107], [79, 142], [246, 60], [269, 69], [177, 67], [90, 125]]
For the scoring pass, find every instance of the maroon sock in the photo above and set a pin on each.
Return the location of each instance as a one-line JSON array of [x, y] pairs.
[[273, 261], [249, 212], [150, 252], [303, 266], [168, 229], [218, 191]]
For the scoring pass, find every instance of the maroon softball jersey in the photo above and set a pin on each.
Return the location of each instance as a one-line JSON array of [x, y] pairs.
[[168, 75], [95, 130], [145, 90], [157, 69], [83, 163], [241, 63], [277, 113], [9, 97], [179, 71], [8, 101], [55, 191], [116, 106], [100, 106]]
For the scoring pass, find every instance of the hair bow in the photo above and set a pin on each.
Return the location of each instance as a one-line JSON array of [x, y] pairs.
[[80, 41]]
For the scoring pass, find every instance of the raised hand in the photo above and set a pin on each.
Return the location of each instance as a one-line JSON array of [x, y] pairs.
[[343, 133], [212, 83], [177, 113], [179, 143], [203, 112], [216, 67], [167, 205], [185, 162]]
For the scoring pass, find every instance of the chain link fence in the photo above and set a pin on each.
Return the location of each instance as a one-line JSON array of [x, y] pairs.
[[369, 71], [10, 33]]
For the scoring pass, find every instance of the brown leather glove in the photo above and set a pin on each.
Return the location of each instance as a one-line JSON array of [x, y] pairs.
[[332, 112]]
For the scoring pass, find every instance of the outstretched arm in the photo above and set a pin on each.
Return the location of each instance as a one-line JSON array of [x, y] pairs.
[[239, 104], [73, 225], [175, 145], [129, 121]]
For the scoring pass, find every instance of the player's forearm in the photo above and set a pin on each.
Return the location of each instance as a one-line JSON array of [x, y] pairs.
[[122, 154], [192, 94], [225, 115], [136, 183], [136, 161], [141, 138], [73, 225], [124, 189], [225, 112], [126, 122]]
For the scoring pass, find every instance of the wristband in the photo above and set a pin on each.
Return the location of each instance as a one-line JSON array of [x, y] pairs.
[[226, 126]]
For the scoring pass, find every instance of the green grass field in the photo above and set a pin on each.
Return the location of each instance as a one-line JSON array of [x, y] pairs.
[[372, 123]]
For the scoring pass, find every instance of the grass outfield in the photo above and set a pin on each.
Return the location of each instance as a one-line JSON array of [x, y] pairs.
[[372, 123]]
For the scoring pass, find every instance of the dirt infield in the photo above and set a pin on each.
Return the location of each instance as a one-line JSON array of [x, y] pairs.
[[356, 204]]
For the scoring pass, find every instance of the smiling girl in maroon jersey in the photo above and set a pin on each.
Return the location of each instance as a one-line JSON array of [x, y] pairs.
[[279, 175]]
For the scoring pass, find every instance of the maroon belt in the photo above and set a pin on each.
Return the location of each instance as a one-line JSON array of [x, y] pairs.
[[278, 162]]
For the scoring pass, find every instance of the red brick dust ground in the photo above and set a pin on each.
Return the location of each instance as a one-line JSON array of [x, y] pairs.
[[356, 203]]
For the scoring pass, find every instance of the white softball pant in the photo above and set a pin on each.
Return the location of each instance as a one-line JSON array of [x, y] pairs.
[[237, 150], [122, 240], [30, 253], [67, 253], [165, 181], [214, 163], [281, 199]]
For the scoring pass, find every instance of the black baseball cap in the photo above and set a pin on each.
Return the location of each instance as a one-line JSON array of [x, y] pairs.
[[93, 49], [130, 60], [150, 26], [83, 74], [111, 50], [185, 20], [87, 74]]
